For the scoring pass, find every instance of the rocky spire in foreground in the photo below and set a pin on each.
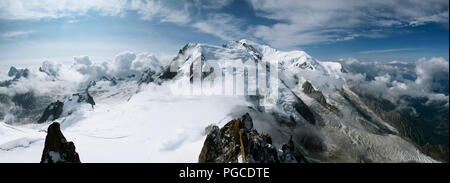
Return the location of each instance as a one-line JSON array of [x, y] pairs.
[[57, 149], [239, 142]]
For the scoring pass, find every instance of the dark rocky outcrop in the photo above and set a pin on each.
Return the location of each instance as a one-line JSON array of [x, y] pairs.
[[6, 83], [185, 47], [250, 49], [290, 154], [18, 73], [148, 76], [53, 110], [304, 110], [167, 74], [304, 65], [57, 149], [238, 141], [112, 80], [257, 56], [86, 96], [295, 104], [309, 90]]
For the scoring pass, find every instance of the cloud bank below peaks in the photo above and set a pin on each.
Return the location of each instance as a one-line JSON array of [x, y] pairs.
[[425, 78], [53, 78]]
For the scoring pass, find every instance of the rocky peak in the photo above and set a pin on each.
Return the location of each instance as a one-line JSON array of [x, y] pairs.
[[85, 96], [317, 95], [112, 80], [245, 45], [186, 47], [12, 71], [147, 76], [49, 68], [53, 111], [57, 149], [18, 73], [238, 141]]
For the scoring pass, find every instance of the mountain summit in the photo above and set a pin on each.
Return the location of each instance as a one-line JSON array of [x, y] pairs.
[[147, 112]]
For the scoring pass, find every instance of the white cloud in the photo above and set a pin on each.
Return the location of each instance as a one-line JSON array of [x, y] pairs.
[[144, 61], [181, 12], [84, 60], [308, 22], [386, 50], [127, 63], [185, 13], [39, 9], [297, 22], [123, 61], [191, 13], [426, 78], [223, 26], [15, 34], [208, 4], [440, 17], [283, 35], [52, 78], [151, 9], [72, 21], [431, 73]]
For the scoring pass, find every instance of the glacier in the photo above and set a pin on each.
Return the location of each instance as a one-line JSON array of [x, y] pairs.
[[139, 117]]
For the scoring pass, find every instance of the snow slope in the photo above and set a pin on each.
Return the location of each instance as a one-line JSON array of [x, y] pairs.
[[153, 126], [154, 123]]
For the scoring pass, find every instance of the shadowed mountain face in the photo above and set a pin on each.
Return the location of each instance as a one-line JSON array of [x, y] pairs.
[[426, 125], [53, 111], [317, 95], [22, 107]]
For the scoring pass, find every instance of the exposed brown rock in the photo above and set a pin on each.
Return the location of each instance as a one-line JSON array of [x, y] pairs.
[[237, 141]]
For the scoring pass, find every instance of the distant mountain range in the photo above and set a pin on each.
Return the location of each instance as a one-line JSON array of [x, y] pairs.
[[136, 109]]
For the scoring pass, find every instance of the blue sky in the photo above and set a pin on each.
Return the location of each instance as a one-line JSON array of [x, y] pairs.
[[33, 31]]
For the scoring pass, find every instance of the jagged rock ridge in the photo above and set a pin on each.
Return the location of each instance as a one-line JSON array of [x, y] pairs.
[[238, 141], [318, 96]]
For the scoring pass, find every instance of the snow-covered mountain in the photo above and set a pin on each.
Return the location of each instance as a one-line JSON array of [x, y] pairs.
[[145, 112]]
